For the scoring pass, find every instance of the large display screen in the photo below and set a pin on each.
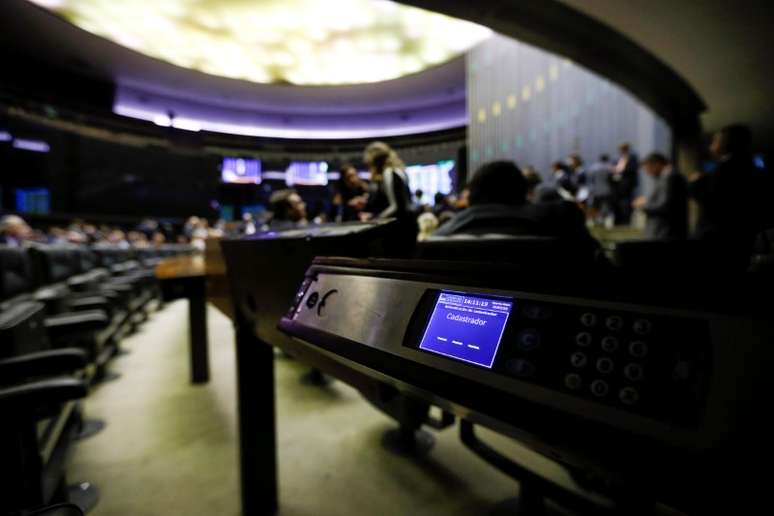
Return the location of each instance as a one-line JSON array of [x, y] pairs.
[[33, 200], [307, 173], [431, 179], [239, 170], [467, 328]]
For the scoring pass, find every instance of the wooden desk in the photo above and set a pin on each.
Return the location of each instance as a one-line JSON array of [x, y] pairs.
[[184, 277]]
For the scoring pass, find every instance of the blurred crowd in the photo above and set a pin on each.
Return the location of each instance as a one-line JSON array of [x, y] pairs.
[[501, 198]]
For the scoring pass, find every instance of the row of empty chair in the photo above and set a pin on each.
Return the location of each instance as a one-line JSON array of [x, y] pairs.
[[63, 313]]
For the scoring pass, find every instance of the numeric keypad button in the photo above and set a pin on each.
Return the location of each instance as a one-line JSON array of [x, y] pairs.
[[629, 395], [605, 365], [609, 343], [614, 323], [583, 339], [579, 359], [588, 319], [634, 372], [573, 381], [642, 326], [638, 349], [600, 388]]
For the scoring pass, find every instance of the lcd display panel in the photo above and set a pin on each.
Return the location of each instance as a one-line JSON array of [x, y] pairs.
[[431, 179], [307, 173], [33, 201], [466, 327], [241, 171]]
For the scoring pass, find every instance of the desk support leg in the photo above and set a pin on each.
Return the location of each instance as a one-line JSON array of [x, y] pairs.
[[197, 326], [257, 423]]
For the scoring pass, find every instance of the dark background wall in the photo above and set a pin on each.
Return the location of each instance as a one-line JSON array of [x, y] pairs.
[[92, 176], [101, 167]]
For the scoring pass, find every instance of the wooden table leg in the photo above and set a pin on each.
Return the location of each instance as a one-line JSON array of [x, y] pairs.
[[257, 423], [197, 325]]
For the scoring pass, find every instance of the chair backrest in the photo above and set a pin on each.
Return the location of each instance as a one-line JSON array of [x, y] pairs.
[[23, 329], [517, 250], [54, 264], [15, 272], [110, 255], [86, 259]]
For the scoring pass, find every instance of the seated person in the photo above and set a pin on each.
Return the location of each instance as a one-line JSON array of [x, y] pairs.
[[288, 210], [498, 205], [14, 231]]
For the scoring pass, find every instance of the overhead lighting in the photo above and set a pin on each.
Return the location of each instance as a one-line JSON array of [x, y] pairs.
[[31, 145], [276, 131], [5, 136], [309, 42]]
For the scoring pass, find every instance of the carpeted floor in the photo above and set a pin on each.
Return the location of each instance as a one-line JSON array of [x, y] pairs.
[[170, 448]]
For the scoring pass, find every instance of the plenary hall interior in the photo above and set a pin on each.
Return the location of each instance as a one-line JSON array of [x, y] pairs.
[[375, 257]]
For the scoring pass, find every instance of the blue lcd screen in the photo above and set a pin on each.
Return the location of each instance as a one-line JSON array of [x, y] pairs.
[[467, 328]]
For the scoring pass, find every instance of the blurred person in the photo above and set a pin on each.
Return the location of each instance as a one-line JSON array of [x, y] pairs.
[[247, 227], [533, 182], [498, 204], [390, 196], [600, 191], [418, 194], [137, 239], [624, 182], [288, 210], [190, 226], [463, 200], [563, 183], [577, 169], [117, 238], [427, 223], [158, 239], [14, 231], [56, 235], [733, 200], [666, 206], [350, 199]]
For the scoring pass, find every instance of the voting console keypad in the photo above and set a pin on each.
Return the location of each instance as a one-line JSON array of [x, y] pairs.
[[649, 364]]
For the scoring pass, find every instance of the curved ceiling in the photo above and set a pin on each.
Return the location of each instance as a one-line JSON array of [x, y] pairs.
[[722, 48], [706, 60], [301, 42], [150, 88]]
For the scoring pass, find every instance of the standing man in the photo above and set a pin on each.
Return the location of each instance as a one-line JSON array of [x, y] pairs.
[[624, 181], [667, 205], [600, 192], [733, 200]]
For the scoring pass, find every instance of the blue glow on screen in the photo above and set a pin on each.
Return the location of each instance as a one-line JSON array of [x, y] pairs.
[[239, 170], [431, 179], [307, 173], [467, 328], [33, 200]]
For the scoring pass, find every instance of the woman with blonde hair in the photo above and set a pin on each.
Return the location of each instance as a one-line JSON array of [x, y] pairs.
[[390, 196]]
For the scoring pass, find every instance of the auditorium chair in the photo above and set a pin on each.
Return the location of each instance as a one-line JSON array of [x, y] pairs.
[[561, 255], [127, 271], [68, 320], [40, 418], [695, 257]]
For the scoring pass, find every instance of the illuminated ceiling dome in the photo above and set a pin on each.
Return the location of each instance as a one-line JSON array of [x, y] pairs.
[[303, 42]]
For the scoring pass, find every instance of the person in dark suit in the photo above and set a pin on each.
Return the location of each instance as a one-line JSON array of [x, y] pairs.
[[667, 204], [288, 210], [624, 182], [498, 205], [733, 199]]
